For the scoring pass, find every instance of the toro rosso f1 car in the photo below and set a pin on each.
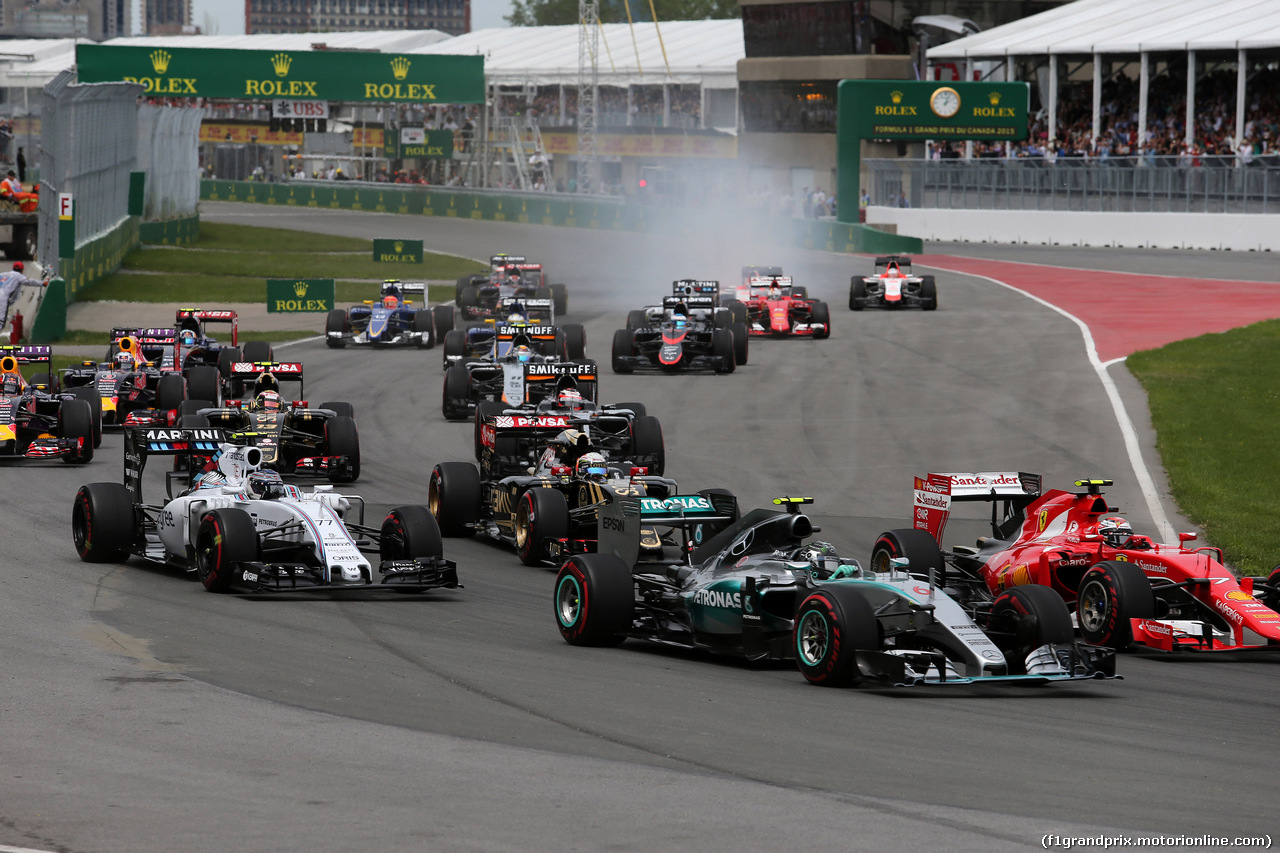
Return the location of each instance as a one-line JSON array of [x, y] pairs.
[[893, 286], [1125, 588], [241, 529], [391, 321], [480, 297], [752, 587]]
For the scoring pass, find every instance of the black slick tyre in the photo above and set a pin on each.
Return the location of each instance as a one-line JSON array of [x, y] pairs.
[[722, 348], [423, 325], [636, 319], [258, 352], [341, 438], [453, 497], [647, 445], [737, 310], [455, 344], [457, 384], [102, 522], [408, 532], [857, 292], [560, 299], [1272, 598], [75, 421], [1024, 618], [225, 540], [820, 313], [831, 626], [928, 293], [90, 395], [204, 382], [741, 340], [171, 390], [542, 514], [1110, 594], [623, 348], [335, 322], [594, 600], [442, 317], [575, 342], [918, 546], [639, 409], [342, 410]]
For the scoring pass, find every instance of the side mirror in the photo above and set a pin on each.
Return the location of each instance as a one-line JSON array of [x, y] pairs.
[[1184, 538]]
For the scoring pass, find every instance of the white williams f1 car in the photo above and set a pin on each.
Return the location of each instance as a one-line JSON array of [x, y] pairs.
[[241, 528]]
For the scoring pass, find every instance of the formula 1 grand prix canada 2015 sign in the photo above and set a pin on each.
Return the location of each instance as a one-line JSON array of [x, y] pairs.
[[311, 75], [911, 109]]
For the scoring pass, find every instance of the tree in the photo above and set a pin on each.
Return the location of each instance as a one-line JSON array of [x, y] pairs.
[[542, 13]]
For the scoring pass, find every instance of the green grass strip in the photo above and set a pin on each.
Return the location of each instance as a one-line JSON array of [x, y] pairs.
[[249, 238], [1215, 404], [213, 291]]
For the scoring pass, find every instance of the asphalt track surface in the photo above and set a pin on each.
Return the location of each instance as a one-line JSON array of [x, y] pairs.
[[140, 713]]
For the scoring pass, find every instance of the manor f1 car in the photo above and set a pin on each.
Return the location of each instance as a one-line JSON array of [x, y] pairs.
[[241, 529], [776, 308], [688, 331], [752, 587], [893, 286], [391, 321], [1126, 589], [36, 420]]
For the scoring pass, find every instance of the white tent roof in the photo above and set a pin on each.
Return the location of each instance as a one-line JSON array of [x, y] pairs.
[[705, 52], [1127, 27]]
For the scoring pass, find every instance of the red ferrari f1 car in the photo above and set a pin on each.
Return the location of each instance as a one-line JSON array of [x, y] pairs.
[[1126, 589], [776, 308]]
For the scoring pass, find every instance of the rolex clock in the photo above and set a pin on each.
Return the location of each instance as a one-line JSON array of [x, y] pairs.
[[945, 102]]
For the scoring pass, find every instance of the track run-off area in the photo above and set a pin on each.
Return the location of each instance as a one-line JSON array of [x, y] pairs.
[[143, 714]]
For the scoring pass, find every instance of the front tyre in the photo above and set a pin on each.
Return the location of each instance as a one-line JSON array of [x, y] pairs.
[[624, 347], [857, 293], [832, 625], [1024, 618], [821, 314], [408, 532], [928, 293], [594, 600], [1110, 594], [341, 438], [226, 540], [336, 328]]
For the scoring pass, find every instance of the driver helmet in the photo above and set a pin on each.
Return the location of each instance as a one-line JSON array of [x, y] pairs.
[[822, 558], [522, 354], [571, 399], [1115, 531], [774, 292], [679, 321], [591, 466], [390, 301], [124, 361], [892, 269], [10, 383], [267, 401], [187, 337], [517, 314], [266, 484]]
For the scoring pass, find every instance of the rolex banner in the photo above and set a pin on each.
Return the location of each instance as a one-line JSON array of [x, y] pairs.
[[302, 75], [398, 251], [298, 295]]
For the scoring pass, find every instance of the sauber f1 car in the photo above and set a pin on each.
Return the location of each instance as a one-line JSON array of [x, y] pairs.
[[893, 286], [688, 331], [752, 587], [391, 321], [36, 420], [291, 436], [776, 308], [241, 529], [1125, 588], [545, 508], [480, 297]]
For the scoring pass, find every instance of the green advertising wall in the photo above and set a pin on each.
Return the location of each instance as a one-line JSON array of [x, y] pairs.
[[610, 216], [171, 232]]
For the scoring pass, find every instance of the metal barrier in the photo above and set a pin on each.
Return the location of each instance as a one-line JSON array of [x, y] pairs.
[[1118, 184], [168, 151]]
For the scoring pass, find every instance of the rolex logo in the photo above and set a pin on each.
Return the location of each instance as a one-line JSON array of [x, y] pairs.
[[400, 67], [994, 97], [281, 62], [399, 247], [160, 60], [896, 97], [300, 288]]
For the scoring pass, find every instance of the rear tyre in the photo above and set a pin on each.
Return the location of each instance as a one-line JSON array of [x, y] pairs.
[[820, 313], [799, 292], [1272, 599], [647, 445], [575, 342], [741, 339], [1024, 618], [341, 438], [722, 348], [470, 296], [102, 522], [485, 409], [225, 540], [442, 316], [542, 514], [457, 383], [560, 299], [831, 627], [543, 293], [455, 344], [624, 346], [737, 310], [636, 319], [227, 357], [171, 390], [408, 532], [342, 410], [594, 600], [423, 325], [461, 285], [90, 395], [928, 293], [75, 421], [918, 546], [336, 322], [721, 318], [857, 292], [205, 383], [453, 497], [1110, 594], [190, 407], [258, 351], [637, 408]]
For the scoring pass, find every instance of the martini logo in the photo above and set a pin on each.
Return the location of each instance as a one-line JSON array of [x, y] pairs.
[[160, 60]]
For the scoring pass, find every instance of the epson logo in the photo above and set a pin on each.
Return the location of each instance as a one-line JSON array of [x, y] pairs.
[[617, 524]]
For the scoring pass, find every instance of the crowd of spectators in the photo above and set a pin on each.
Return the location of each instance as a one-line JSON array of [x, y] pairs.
[[542, 107]]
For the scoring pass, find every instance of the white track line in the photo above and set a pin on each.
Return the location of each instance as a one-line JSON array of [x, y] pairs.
[[1131, 446], [5, 849]]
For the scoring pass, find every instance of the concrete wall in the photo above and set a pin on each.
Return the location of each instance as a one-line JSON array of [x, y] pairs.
[[1237, 232]]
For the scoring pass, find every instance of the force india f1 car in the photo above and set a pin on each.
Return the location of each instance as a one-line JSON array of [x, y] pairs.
[[492, 340], [242, 530], [1126, 589], [515, 375], [36, 420], [690, 330], [751, 587], [776, 308], [893, 286], [391, 321]]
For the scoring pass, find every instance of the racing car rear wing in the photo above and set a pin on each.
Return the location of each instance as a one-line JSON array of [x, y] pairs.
[[934, 494], [203, 317], [695, 518], [406, 287], [535, 333], [143, 442], [691, 286], [282, 371], [903, 262], [582, 375], [504, 260], [27, 354]]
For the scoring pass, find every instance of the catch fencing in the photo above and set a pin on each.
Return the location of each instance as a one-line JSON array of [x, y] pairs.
[[169, 152]]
